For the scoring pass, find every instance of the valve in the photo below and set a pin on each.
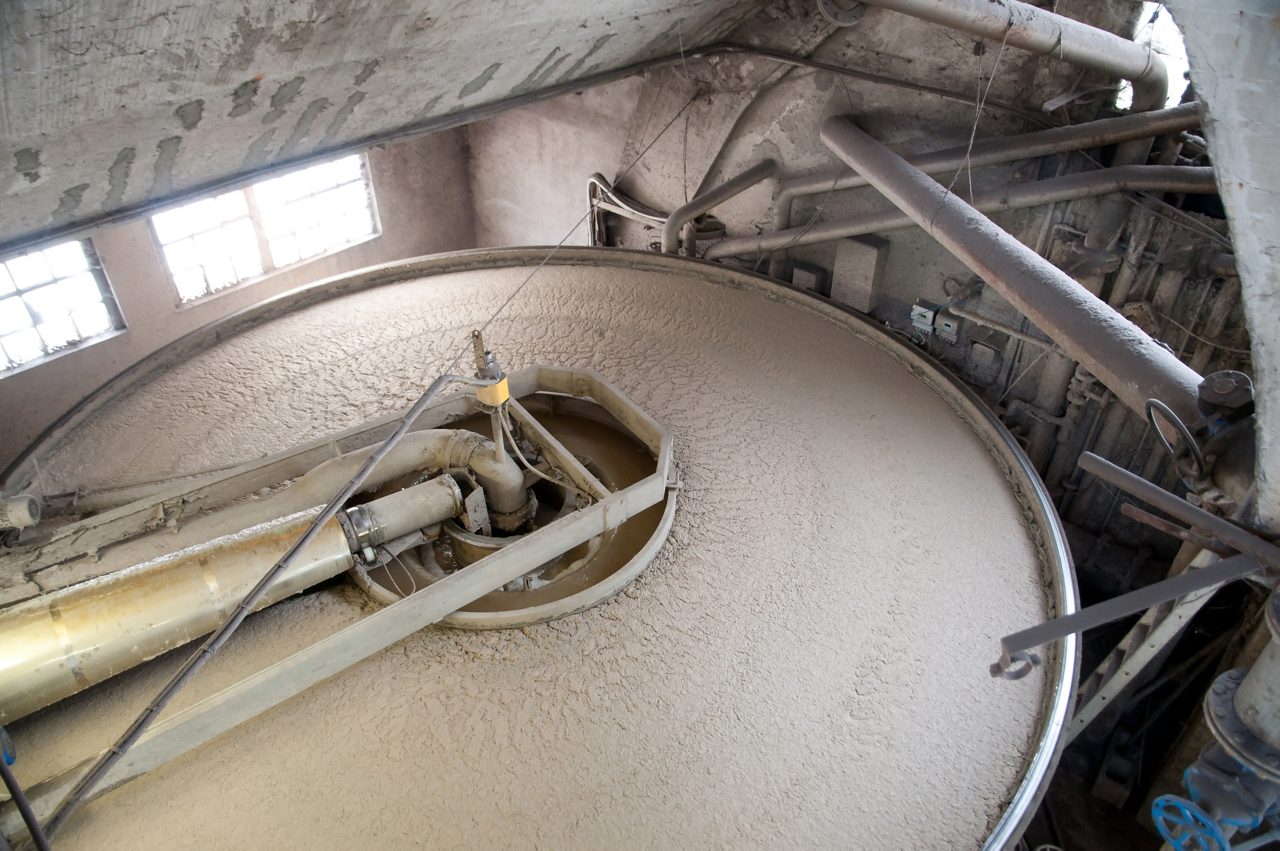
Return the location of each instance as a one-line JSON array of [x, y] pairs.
[[1185, 826]]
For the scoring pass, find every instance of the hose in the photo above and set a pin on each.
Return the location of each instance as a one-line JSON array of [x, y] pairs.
[[24, 806]]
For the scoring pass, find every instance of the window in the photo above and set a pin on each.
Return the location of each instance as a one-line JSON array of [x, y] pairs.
[[51, 300], [218, 242]]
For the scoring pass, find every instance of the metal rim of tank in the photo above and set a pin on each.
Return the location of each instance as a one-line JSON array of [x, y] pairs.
[[1043, 525]]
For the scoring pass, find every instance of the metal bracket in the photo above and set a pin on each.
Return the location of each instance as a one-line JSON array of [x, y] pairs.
[[1013, 647], [1255, 554]]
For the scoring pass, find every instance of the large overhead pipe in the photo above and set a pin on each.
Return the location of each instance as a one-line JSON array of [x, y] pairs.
[[1134, 366], [709, 199], [55, 645], [1001, 149], [1089, 184], [1045, 33], [1024, 26]]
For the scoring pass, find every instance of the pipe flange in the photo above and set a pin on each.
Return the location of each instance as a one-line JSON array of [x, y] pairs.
[[513, 520], [1232, 733]]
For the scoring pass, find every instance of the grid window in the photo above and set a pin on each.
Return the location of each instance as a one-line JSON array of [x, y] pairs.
[[315, 210], [52, 299], [218, 242]]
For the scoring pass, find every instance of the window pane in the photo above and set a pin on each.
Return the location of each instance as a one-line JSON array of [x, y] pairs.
[[209, 244], [22, 347], [92, 320], [30, 270], [232, 206], [58, 332], [67, 259], [348, 169], [47, 303], [332, 212], [190, 283], [13, 315], [57, 287]]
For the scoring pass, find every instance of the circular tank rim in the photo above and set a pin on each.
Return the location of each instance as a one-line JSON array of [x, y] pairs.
[[1062, 662]]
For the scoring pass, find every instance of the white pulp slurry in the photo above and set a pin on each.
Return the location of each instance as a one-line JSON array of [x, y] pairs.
[[804, 663]]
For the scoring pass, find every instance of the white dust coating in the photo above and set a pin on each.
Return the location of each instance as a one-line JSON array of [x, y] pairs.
[[804, 664]]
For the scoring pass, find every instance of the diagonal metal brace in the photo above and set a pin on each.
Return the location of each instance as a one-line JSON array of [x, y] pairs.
[[1016, 661], [1256, 554]]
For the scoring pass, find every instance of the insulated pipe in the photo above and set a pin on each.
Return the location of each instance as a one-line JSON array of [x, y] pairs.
[[1134, 366], [712, 197], [53, 646], [1002, 149], [1148, 178]]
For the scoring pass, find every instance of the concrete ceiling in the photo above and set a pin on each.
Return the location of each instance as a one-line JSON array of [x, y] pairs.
[[108, 106]]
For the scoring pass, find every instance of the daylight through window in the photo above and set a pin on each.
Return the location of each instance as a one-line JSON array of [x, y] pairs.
[[221, 241], [50, 300]]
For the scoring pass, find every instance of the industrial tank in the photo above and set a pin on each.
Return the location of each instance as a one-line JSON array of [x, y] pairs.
[[803, 664]]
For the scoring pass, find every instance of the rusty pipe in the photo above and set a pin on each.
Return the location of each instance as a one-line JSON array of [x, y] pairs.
[[1131, 364], [56, 645]]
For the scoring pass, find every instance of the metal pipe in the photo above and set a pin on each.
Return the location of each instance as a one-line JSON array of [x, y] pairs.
[[1001, 149], [996, 325], [1134, 178], [711, 198], [211, 645], [53, 646], [56, 645], [428, 449], [1239, 539], [1045, 33], [1257, 701], [20, 800], [1134, 366]]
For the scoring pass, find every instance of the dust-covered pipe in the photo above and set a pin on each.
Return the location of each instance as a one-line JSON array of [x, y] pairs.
[[1134, 366], [709, 199], [1131, 178]]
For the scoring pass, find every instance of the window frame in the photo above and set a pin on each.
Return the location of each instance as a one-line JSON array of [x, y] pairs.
[[109, 301], [264, 248]]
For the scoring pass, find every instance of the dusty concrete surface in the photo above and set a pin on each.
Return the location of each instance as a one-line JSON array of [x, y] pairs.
[[1235, 62], [104, 107], [529, 167], [804, 664]]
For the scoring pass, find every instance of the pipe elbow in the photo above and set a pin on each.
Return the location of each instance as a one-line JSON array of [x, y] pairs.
[[500, 476]]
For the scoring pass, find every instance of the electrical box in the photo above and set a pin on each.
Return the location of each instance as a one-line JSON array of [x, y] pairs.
[[947, 327], [924, 314]]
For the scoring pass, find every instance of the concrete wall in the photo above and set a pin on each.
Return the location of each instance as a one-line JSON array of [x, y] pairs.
[[424, 207], [1235, 62], [529, 167], [111, 106]]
